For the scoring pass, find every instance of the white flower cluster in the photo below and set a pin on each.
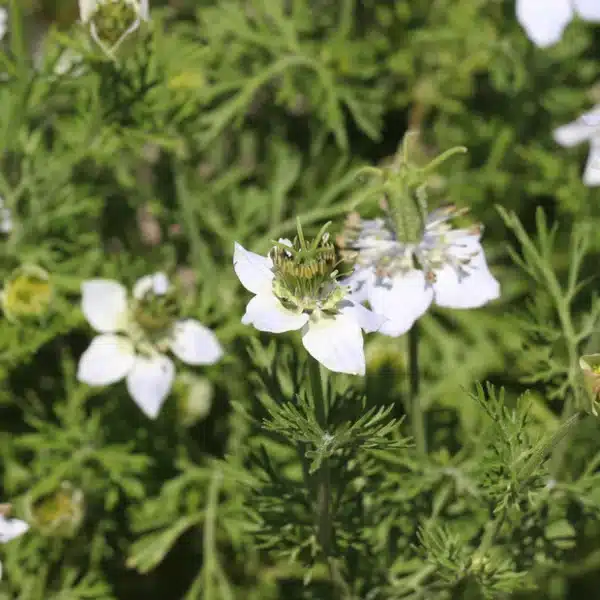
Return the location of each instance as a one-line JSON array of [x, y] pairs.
[[544, 21], [398, 280]]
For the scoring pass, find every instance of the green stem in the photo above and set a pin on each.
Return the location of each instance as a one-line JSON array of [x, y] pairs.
[[571, 401], [417, 415], [324, 520]]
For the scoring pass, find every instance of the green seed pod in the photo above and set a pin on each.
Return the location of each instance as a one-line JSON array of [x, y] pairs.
[[59, 513], [27, 293]]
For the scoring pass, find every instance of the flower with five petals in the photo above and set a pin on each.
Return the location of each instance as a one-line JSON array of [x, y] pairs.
[[401, 279], [295, 288], [134, 336]]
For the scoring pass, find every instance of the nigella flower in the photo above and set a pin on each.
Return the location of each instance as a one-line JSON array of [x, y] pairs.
[[400, 279], [135, 335], [111, 21], [545, 20], [296, 288], [6, 223], [584, 129], [10, 528]]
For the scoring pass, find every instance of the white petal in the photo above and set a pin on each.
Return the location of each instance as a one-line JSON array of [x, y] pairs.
[[337, 343], [158, 284], [574, 133], [544, 20], [267, 313], [104, 304], [402, 300], [195, 344], [107, 360], [359, 283], [589, 10], [475, 289], [11, 528], [253, 270], [591, 175], [149, 383], [366, 319]]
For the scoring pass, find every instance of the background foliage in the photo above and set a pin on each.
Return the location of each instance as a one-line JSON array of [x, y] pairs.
[[223, 122]]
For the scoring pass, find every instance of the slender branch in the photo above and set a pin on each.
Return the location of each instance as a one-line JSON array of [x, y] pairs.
[[324, 519], [417, 415]]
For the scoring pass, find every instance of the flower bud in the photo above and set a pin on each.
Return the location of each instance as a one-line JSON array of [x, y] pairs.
[[194, 398], [27, 293], [59, 513], [590, 366], [111, 21]]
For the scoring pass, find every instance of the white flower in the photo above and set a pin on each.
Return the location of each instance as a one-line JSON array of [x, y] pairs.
[[400, 280], [10, 528], [545, 20], [103, 16], [6, 223], [329, 322], [134, 337], [586, 128]]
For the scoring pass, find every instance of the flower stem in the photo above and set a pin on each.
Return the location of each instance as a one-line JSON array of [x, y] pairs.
[[416, 410], [323, 505]]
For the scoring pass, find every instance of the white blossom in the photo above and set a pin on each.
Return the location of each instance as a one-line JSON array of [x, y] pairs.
[[544, 21], [10, 528], [584, 129], [330, 323], [133, 340], [400, 280]]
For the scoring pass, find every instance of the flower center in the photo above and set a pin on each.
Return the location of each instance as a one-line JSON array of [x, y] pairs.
[[113, 18], [306, 277], [152, 318]]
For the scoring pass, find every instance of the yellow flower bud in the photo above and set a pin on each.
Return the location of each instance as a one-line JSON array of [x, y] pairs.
[[27, 293]]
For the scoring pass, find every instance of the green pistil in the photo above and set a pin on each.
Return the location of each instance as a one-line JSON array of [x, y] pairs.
[[113, 18], [155, 315], [407, 216], [305, 275]]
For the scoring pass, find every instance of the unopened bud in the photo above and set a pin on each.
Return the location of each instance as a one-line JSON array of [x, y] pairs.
[[59, 513], [27, 293], [111, 21]]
